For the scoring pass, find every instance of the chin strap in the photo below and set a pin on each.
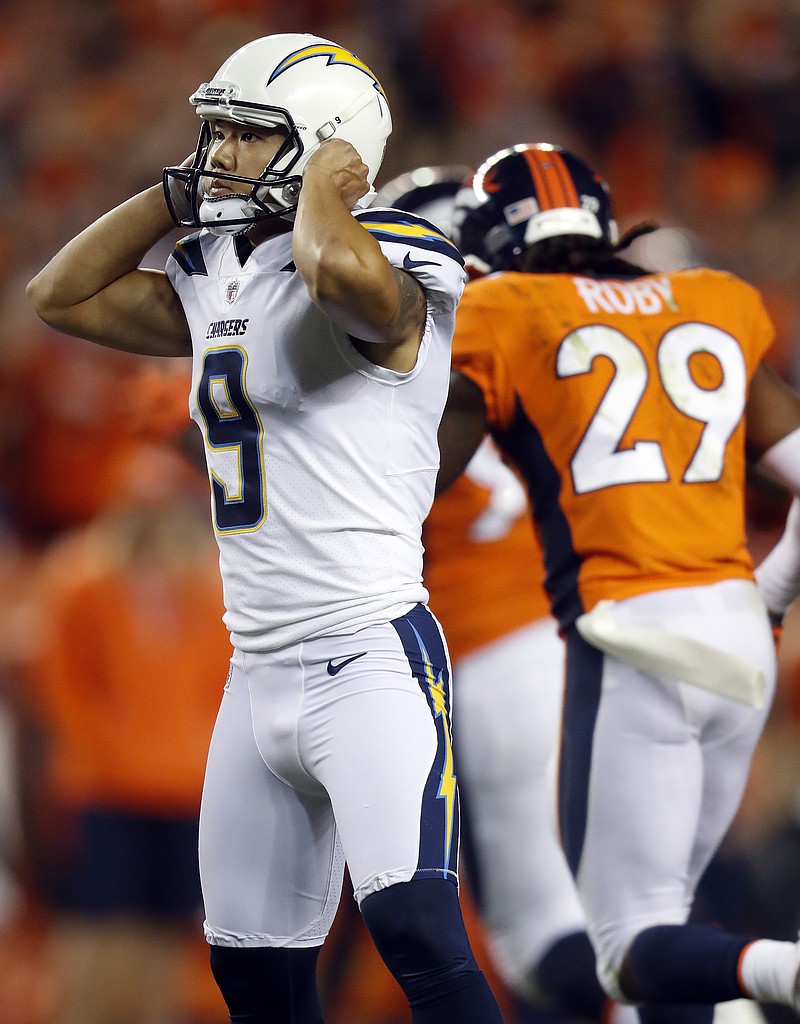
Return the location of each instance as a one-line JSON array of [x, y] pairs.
[[233, 214]]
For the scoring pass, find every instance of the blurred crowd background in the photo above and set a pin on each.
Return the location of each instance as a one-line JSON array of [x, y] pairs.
[[112, 655]]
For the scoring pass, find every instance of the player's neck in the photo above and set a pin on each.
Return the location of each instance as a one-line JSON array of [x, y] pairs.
[[265, 229]]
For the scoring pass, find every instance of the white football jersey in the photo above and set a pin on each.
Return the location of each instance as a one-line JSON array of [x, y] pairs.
[[322, 465]]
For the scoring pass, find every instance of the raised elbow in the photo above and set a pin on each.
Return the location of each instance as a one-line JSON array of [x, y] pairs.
[[40, 297], [46, 305]]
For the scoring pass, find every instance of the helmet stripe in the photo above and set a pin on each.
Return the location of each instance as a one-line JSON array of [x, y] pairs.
[[560, 164], [551, 179], [542, 191]]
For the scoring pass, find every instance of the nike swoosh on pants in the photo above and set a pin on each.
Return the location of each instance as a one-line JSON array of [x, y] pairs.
[[333, 669]]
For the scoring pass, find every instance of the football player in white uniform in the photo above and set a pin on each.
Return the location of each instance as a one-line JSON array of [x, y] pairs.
[[320, 336]]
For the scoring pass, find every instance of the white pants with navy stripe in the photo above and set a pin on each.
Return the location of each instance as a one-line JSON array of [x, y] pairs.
[[652, 769], [333, 749]]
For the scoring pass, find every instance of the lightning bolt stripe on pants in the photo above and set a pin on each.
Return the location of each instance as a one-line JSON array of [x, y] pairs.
[[427, 655]]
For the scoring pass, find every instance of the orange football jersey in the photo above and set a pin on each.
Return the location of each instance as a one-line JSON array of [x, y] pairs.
[[483, 564], [129, 677], [621, 401]]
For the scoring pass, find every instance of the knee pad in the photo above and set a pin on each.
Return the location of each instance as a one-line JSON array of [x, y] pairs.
[[262, 984], [419, 932]]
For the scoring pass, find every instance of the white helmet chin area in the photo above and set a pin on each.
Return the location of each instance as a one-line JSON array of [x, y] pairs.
[[228, 215], [312, 88], [235, 213]]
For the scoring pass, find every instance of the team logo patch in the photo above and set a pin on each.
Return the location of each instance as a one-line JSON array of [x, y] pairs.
[[516, 213], [231, 290]]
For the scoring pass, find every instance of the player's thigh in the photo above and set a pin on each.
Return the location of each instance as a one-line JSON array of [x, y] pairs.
[[652, 769], [507, 699], [728, 616], [728, 745], [270, 863], [380, 744], [631, 783], [507, 706]]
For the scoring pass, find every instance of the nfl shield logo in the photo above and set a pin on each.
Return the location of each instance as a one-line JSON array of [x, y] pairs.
[[231, 290]]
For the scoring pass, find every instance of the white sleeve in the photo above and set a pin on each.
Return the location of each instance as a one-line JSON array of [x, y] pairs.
[[778, 576], [413, 244], [782, 460]]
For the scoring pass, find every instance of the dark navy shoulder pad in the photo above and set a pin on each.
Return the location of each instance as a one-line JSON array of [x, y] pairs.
[[188, 254]]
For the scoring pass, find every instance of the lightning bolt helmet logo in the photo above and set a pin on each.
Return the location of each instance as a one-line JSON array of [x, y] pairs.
[[334, 54]]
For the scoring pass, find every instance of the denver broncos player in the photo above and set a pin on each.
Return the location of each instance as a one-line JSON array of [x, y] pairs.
[[320, 339], [628, 401], [483, 568]]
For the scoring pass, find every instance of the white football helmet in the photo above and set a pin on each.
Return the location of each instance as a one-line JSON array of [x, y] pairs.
[[311, 87]]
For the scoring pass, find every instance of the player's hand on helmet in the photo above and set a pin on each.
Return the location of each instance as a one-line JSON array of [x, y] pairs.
[[342, 163]]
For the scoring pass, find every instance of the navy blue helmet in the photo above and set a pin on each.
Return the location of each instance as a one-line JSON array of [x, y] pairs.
[[525, 194]]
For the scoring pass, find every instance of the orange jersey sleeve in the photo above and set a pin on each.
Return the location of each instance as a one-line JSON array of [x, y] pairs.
[[622, 403], [483, 563]]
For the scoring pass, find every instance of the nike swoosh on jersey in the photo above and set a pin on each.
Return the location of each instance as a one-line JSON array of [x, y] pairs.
[[333, 669], [410, 264]]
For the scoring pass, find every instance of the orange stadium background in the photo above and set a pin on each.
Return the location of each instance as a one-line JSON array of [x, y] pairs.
[[690, 108]]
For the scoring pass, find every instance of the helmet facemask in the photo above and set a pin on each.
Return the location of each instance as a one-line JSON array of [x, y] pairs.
[[309, 87], [273, 194]]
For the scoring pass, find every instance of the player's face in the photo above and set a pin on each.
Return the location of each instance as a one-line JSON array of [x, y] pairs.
[[240, 149]]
